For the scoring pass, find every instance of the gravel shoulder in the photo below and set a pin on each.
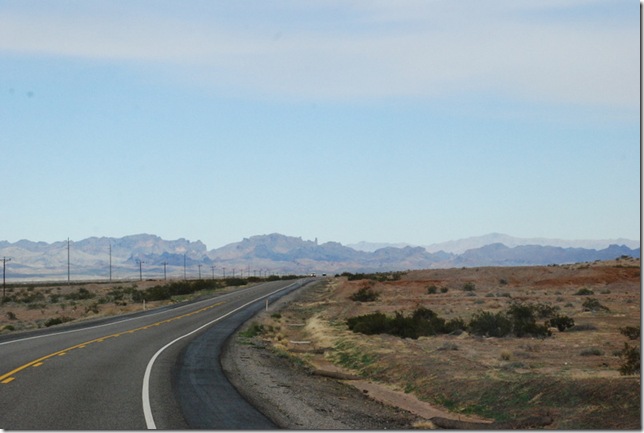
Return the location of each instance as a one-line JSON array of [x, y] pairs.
[[294, 398]]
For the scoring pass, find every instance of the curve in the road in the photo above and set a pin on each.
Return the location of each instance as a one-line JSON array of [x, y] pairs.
[[207, 398]]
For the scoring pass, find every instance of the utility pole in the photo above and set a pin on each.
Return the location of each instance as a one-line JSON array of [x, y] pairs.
[[68, 273], [184, 266], [213, 272], [4, 276], [110, 262], [224, 269], [199, 270], [165, 277], [140, 269]]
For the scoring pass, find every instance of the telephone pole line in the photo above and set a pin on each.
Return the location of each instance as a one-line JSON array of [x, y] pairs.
[[110, 262], [4, 276], [68, 272], [140, 269]]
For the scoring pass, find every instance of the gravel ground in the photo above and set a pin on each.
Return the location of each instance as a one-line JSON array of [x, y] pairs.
[[293, 398]]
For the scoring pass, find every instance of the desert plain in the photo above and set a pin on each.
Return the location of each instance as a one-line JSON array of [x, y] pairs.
[[572, 377]]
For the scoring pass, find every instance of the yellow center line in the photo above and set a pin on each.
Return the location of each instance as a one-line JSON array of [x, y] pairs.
[[8, 377]]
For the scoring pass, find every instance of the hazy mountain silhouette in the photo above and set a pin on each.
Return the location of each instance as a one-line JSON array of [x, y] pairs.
[[263, 254]]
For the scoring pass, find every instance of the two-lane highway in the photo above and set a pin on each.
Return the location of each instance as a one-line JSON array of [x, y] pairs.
[[157, 370]]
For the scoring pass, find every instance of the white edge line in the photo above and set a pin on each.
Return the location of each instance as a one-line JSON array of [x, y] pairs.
[[147, 409]]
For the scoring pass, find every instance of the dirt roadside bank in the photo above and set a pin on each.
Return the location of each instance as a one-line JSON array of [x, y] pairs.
[[296, 397]]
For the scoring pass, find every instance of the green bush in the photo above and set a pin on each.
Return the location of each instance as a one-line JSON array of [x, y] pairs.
[[378, 276], [584, 292], [519, 319], [632, 332], [422, 322], [57, 321], [81, 294], [630, 360], [561, 322], [523, 317], [592, 304], [369, 324], [592, 351], [253, 330], [432, 290], [489, 324], [469, 286], [365, 294], [545, 311]]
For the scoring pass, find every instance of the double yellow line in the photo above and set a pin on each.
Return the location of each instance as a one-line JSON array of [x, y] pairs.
[[9, 377]]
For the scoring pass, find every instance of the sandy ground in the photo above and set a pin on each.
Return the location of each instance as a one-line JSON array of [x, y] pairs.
[[296, 396], [571, 376]]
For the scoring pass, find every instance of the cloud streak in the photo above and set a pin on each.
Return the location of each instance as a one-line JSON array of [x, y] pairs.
[[357, 51]]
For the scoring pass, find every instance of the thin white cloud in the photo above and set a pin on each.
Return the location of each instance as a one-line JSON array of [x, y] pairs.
[[418, 49]]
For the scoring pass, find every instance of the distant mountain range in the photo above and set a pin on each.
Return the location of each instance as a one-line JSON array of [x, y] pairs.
[[461, 245], [150, 256]]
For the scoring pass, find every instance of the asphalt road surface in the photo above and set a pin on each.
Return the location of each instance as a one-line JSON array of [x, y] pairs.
[[155, 370]]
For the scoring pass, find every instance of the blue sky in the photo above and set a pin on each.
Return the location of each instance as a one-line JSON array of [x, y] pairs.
[[412, 121]]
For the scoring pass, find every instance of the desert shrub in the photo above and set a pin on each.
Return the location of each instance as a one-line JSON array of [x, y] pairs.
[[234, 281], [519, 319], [489, 324], [378, 276], [253, 330], [11, 315], [57, 321], [365, 294], [591, 351], [29, 297], [469, 286], [93, 308], [79, 295], [630, 356], [426, 322], [592, 304], [444, 289], [422, 322], [584, 292], [157, 293], [544, 310], [455, 326], [374, 323], [632, 332], [561, 322], [137, 295], [432, 290], [523, 318]]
